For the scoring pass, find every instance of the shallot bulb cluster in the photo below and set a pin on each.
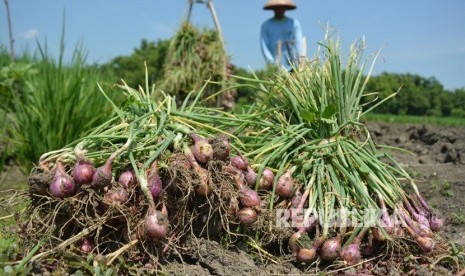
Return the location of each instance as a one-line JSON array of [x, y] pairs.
[[242, 165]]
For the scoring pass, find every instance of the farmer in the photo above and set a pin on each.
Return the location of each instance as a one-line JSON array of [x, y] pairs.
[[281, 36]]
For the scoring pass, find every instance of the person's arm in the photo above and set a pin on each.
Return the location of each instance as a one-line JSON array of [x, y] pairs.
[[298, 38], [264, 42]]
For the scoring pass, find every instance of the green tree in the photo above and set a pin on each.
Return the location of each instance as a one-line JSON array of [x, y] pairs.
[[458, 103], [418, 95], [131, 68]]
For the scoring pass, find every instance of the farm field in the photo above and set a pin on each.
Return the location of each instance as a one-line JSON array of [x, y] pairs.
[[435, 161]]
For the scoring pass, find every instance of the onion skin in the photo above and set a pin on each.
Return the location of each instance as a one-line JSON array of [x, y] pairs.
[[156, 225], [247, 216], [83, 172], [62, 185], [284, 186], [424, 230], [202, 149], [239, 162], [331, 248], [127, 179]]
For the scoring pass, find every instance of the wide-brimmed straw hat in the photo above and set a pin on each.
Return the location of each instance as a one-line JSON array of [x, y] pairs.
[[287, 4]]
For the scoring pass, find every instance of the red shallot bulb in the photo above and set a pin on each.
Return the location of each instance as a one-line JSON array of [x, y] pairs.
[[239, 162], [202, 149], [307, 254], [83, 172], [351, 253], [247, 196], [436, 223], [250, 176], [331, 248], [127, 179], [156, 225], [267, 179], [154, 182], [426, 243], [62, 184], [247, 216], [102, 176], [284, 187]]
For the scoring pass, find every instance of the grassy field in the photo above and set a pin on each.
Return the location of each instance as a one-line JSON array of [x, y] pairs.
[[405, 119]]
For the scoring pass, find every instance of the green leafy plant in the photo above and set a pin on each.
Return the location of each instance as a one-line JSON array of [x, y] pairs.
[[56, 104]]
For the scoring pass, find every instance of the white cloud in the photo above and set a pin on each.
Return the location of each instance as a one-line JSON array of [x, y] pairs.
[[29, 34]]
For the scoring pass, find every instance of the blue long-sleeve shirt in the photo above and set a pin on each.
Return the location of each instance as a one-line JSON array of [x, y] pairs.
[[288, 31]]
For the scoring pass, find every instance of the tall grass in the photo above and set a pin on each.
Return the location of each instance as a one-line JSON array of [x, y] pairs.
[[56, 104]]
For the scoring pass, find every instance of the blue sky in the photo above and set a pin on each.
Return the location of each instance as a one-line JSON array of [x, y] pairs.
[[424, 37]]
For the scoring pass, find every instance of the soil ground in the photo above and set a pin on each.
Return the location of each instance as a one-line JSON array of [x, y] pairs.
[[435, 159]]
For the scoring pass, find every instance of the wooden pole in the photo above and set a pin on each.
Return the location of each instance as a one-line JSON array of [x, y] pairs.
[[303, 57], [217, 22], [279, 46], [189, 10], [10, 31]]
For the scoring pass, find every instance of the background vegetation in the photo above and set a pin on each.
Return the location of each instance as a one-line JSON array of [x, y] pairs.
[[46, 102]]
